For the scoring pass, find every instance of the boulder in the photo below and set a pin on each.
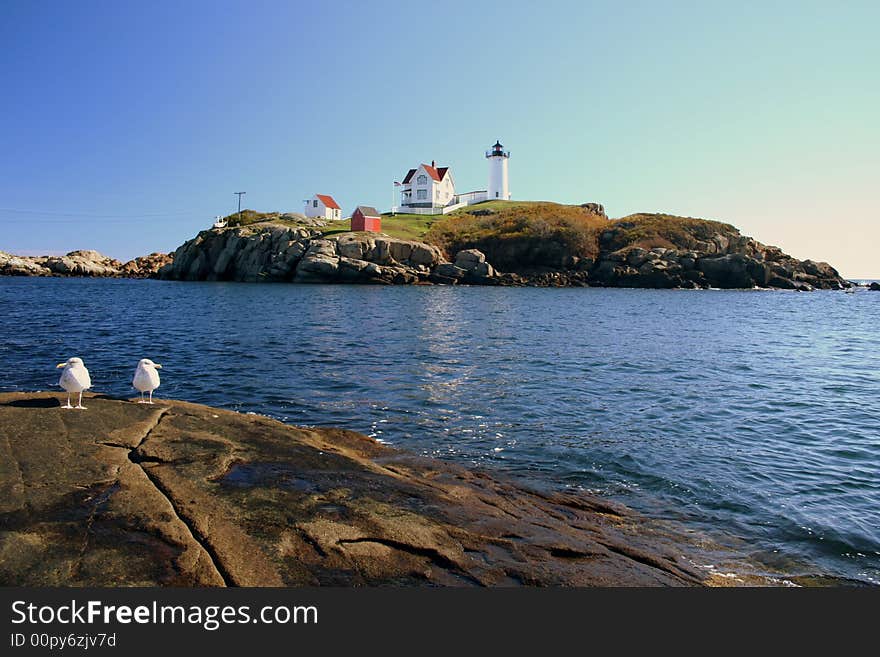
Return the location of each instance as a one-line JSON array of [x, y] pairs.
[[728, 271], [468, 259], [146, 266], [355, 245], [874, 286], [83, 263], [781, 282], [319, 264], [636, 257], [11, 265], [425, 255], [595, 208], [449, 270]]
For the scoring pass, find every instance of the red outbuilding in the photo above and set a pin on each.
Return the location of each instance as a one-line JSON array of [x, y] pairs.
[[367, 219]]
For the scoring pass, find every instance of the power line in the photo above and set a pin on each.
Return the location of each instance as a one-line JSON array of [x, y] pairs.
[[239, 205]]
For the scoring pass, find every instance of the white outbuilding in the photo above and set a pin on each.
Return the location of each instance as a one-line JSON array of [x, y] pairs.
[[322, 206]]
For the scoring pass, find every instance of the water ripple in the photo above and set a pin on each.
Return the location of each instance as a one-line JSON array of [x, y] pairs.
[[750, 413]]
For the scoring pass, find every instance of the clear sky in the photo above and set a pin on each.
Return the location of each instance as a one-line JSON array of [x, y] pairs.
[[126, 126]]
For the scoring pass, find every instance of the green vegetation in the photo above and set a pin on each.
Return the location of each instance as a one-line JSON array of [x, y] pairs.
[[416, 226], [401, 226], [525, 233], [250, 217], [652, 230], [499, 205], [337, 227], [488, 225]]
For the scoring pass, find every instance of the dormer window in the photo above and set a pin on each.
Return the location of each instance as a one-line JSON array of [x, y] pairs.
[[422, 180]]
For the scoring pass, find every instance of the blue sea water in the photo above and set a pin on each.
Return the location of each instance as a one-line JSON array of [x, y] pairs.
[[753, 415]]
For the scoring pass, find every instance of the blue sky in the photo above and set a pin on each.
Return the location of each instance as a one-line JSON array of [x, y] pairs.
[[126, 126]]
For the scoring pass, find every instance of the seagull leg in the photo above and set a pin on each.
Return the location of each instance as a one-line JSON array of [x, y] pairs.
[[80, 403], [68, 402], [151, 397], [141, 400]]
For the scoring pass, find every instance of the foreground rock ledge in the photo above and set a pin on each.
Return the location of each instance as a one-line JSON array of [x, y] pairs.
[[180, 494]]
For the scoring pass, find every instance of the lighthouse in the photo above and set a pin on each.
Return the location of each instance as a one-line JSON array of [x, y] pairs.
[[498, 186]]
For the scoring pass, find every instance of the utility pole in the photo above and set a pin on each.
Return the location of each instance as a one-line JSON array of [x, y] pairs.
[[239, 205]]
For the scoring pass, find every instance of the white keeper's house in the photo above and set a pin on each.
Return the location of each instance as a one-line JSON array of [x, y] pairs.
[[429, 189], [427, 186], [323, 206]]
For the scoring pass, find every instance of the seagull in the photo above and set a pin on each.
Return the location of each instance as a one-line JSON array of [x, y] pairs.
[[74, 378], [146, 378]]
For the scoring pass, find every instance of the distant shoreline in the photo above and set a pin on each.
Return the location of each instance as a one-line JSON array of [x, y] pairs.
[[510, 243]]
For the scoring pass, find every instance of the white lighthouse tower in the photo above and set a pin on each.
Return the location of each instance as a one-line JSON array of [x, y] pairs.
[[499, 188]]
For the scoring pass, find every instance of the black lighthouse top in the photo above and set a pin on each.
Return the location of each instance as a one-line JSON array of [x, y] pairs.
[[497, 151]]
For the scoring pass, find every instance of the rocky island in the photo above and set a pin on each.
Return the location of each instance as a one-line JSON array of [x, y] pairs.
[[492, 243], [82, 263], [179, 494]]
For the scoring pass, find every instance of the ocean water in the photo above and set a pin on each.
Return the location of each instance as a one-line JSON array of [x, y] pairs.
[[749, 415]]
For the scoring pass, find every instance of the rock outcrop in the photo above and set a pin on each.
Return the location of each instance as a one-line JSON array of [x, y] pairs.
[[81, 263], [278, 253], [722, 259], [654, 251], [596, 208], [147, 266], [247, 253], [179, 494]]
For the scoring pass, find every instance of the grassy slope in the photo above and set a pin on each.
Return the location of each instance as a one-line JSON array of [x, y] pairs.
[[416, 226], [401, 226], [571, 227]]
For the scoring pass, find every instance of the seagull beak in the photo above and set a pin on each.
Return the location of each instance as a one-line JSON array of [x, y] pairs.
[[157, 366], [60, 365]]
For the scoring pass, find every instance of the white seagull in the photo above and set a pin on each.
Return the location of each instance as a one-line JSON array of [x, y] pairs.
[[146, 378], [74, 378]]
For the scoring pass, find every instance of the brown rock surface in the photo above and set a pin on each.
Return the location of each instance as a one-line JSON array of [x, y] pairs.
[[181, 494], [147, 266]]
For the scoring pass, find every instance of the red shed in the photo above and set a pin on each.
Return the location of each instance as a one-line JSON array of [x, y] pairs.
[[366, 218]]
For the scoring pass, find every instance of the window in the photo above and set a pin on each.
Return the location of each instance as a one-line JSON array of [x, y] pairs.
[[422, 180], [314, 204], [422, 193]]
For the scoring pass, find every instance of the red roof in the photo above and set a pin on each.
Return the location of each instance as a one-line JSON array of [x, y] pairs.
[[328, 201], [367, 211], [432, 172], [436, 173]]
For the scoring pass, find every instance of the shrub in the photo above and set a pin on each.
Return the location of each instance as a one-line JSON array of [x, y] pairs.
[[572, 228]]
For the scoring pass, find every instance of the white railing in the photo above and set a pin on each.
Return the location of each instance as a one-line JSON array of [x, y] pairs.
[[454, 206], [461, 200], [470, 198], [402, 209]]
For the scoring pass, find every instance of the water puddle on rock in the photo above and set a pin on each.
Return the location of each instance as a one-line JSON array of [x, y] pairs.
[[268, 475]]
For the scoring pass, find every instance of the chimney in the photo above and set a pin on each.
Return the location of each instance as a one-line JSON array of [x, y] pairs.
[[433, 164]]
